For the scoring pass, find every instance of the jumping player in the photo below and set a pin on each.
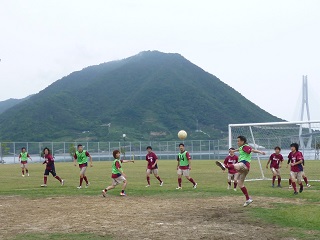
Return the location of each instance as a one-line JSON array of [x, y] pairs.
[[184, 166], [23, 158], [275, 161], [81, 156], [152, 166], [50, 168], [118, 175], [243, 165], [232, 173], [296, 167]]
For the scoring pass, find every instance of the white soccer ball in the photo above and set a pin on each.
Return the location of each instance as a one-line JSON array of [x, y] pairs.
[[182, 134]]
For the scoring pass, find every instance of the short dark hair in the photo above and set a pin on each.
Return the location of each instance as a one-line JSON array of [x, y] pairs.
[[181, 144], [23, 148], [46, 149], [149, 147], [277, 147], [242, 138], [295, 145], [114, 153], [79, 145], [232, 148]]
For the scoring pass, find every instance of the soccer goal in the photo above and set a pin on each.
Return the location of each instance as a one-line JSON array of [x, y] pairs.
[[266, 136]]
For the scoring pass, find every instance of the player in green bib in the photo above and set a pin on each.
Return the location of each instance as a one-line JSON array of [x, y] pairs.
[[81, 157], [23, 158], [243, 165], [118, 175], [184, 166]]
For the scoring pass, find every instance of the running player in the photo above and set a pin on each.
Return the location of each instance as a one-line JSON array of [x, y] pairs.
[[118, 175], [50, 168], [81, 156], [289, 160], [23, 158], [243, 165], [296, 167], [275, 161], [152, 166], [184, 166], [232, 173]]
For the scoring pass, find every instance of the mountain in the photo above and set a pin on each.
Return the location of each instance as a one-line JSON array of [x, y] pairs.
[[4, 105], [149, 96]]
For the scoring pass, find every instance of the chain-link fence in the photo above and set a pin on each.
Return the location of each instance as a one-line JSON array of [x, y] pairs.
[[102, 151]]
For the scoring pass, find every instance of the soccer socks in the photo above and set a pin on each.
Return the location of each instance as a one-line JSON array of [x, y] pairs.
[[22, 172], [59, 179], [179, 182], [290, 182], [279, 181], [234, 184], [45, 179], [81, 180], [148, 180], [245, 192], [294, 186], [193, 182], [305, 180], [229, 183], [27, 171], [159, 179], [273, 179], [86, 179]]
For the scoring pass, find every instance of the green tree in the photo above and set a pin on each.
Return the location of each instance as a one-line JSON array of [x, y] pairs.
[[72, 150], [4, 150]]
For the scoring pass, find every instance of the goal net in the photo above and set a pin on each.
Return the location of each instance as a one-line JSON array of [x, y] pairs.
[[266, 136]]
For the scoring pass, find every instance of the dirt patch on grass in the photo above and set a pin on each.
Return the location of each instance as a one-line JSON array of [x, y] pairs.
[[136, 217]]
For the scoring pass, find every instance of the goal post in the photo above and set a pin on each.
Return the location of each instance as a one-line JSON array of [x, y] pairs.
[[266, 136]]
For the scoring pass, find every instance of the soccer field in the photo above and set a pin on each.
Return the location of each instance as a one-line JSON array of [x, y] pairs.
[[208, 212]]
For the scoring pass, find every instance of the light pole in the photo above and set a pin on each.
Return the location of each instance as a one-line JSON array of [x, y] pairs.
[[124, 145]]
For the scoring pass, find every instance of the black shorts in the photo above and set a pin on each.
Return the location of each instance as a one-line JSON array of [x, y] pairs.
[[52, 171]]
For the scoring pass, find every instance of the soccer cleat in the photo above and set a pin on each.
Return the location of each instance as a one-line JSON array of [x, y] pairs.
[[43, 185], [148, 185], [279, 186], [301, 189], [87, 185], [104, 193], [295, 193], [161, 184], [22, 175], [195, 186], [62, 182], [308, 185], [79, 187], [272, 185], [247, 202], [220, 165], [123, 194], [235, 189], [28, 175], [290, 186], [178, 188]]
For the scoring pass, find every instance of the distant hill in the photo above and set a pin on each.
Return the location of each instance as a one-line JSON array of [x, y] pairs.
[[4, 105], [149, 96]]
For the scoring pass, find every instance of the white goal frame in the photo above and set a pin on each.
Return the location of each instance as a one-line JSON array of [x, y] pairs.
[[250, 125]]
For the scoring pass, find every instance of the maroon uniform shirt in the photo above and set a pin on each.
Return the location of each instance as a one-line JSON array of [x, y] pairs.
[[275, 160], [151, 159], [231, 160], [49, 161], [117, 166], [296, 157]]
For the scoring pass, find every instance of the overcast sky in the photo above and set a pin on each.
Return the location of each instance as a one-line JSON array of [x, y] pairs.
[[260, 48]]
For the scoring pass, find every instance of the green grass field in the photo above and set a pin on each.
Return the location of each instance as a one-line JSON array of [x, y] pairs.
[[299, 213]]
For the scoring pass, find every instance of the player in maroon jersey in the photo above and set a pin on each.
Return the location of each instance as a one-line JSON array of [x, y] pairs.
[[232, 173], [296, 167], [275, 161], [305, 179], [50, 168], [152, 166]]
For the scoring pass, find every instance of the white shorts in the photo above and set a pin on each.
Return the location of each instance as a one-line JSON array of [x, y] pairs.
[[233, 177], [154, 171], [296, 175], [275, 171], [118, 180], [183, 172]]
